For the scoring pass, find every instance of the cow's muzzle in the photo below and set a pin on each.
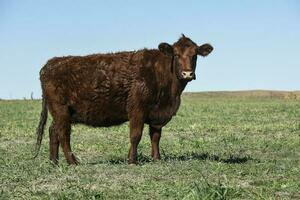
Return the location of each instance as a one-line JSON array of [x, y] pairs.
[[188, 75]]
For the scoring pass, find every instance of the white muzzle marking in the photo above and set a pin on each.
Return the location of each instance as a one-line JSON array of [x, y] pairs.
[[187, 74]]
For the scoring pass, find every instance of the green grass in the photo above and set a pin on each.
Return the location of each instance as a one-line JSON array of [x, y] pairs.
[[215, 148]]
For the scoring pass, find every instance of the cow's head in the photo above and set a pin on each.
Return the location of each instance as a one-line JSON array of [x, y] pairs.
[[184, 54]]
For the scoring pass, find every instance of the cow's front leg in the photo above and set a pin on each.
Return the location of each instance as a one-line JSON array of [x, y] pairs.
[[155, 134], [136, 125]]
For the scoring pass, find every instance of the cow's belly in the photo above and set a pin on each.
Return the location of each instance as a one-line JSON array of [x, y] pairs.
[[106, 122], [100, 120], [104, 115]]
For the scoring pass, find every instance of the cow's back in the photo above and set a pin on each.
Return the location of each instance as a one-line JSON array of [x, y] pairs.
[[95, 88]]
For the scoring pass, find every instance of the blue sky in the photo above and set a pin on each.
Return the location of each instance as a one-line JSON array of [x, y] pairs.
[[257, 43]]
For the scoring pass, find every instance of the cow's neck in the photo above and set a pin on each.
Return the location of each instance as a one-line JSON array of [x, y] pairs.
[[177, 85], [169, 81]]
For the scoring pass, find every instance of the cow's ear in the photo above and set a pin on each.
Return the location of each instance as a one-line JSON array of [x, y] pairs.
[[166, 48], [204, 49]]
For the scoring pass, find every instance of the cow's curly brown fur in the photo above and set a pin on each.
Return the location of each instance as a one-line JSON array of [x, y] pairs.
[[103, 90]]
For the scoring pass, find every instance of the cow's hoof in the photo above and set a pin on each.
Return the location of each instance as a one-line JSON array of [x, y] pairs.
[[54, 162], [132, 162], [73, 162], [156, 159]]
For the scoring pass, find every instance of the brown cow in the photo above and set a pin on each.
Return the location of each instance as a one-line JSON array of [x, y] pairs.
[[103, 90]]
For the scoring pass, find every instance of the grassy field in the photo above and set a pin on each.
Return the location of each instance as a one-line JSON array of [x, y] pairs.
[[217, 147]]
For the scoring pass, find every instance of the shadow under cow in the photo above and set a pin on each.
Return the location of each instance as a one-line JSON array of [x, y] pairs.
[[142, 159]]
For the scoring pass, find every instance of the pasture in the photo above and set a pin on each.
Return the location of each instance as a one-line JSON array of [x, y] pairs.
[[216, 147]]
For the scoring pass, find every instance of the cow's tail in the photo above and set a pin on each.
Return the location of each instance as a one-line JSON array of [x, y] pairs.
[[40, 129]]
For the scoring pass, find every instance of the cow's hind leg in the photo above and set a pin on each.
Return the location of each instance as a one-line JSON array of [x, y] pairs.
[[62, 127], [64, 136], [54, 144], [155, 134]]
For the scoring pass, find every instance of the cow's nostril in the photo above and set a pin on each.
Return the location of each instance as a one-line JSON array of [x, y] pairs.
[[183, 73], [192, 74]]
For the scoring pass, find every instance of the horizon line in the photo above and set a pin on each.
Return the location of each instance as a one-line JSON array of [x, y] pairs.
[[191, 92]]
